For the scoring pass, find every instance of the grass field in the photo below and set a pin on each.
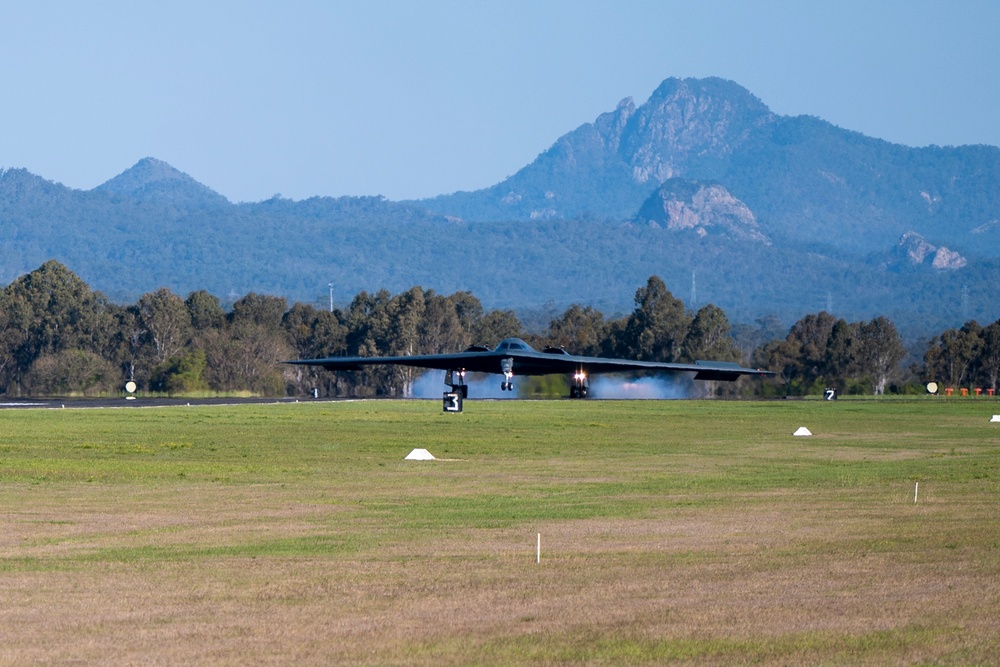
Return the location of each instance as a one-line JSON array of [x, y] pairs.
[[693, 532]]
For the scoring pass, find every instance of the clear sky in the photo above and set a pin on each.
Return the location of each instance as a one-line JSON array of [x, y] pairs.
[[412, 99]]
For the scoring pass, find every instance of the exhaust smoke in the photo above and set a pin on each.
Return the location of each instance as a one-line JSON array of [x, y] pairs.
[[431, 385], [659, 388]]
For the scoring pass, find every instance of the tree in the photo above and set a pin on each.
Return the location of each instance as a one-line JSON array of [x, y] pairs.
[[811, 335], [406, 312], [261, 309], [616, 343], [71, 372], [580, 330], [810, 354], [367, 333], [470, 313], [47, 311], [658, 325], [497, 325], [205, 309], [246, 356], [130, 350], [950, 356], [167, 321], [181, 374], [10, 338], [749, 337], [708, 337], [877, 349], [808, 344], [313, 334], [989, 356], [839, 361], [441, 328]]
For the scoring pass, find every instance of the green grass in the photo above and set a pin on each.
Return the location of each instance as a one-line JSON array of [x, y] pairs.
[[673, 531]]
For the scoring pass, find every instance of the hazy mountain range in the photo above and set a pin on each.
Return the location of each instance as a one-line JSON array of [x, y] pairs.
[[702, 184]]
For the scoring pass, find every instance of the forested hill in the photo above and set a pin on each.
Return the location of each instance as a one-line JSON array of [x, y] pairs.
[[702, 185], [154, 226]]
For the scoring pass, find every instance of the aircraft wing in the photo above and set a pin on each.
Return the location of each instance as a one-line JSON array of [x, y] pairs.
[[483, 362], [702, 370], [533, 362]]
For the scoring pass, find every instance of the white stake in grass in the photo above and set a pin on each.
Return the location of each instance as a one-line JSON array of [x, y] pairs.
[[916, 487], [538, 549]]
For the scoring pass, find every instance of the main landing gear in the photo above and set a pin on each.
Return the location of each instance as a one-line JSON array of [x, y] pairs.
[[580, 388], [456, 380]]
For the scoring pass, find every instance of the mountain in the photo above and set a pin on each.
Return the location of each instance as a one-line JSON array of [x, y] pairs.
[[154, 180], [702, 183], [807, 182], [607, 168]]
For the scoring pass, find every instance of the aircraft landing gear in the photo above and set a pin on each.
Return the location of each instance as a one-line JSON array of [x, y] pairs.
[[507, 368], [456, 380], [580, 388]]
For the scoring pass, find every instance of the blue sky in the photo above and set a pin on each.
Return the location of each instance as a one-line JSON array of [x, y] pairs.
[[414, 99]]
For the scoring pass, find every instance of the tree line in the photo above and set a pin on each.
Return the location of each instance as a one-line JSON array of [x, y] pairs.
[[59, 337]]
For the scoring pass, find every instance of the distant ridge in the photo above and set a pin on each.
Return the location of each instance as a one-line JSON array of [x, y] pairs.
[[20, 185]]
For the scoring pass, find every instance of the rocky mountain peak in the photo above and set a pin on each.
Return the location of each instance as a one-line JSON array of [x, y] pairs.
[[690, 124], [918, 251], [610, 126], [688, 128], [704, 208]]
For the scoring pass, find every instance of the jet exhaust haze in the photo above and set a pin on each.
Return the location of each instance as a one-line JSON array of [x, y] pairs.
[[660, 388], [431, 385]]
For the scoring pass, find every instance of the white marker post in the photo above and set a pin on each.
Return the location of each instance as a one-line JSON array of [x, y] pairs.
[[538, 550], [916, 487]]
